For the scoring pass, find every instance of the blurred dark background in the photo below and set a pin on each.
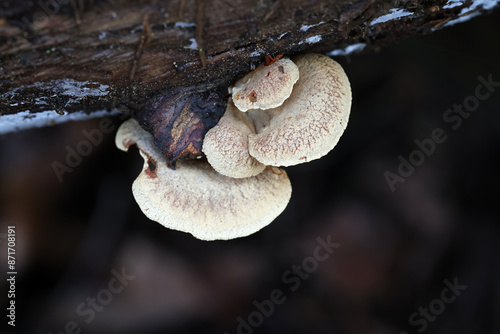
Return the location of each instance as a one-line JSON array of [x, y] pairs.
[[396, 248]]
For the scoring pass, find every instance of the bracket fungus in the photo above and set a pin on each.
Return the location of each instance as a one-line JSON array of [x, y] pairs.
[[283, 113], [194, 198], [226, 146], [267, 86], [310, 122], [305, 126]]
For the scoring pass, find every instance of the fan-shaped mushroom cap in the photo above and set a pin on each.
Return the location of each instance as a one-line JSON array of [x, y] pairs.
[[196, 199], [310, 122], [266, 87], [226, 145]]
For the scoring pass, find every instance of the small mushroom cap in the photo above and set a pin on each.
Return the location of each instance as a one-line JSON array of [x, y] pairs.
[[226, 145], [196, 199], [310, 122], [266, 87]]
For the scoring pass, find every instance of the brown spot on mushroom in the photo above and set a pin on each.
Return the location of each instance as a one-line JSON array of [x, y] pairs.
[[271, 84], [269, 60], [253, 96], [150, 170]]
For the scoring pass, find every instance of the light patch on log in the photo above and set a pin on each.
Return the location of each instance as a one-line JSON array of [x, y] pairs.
[[473, 10], [394, 14], [347, 50], [26, 120]]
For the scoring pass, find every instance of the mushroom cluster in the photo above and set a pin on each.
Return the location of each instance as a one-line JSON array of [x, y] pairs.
[[195, 198], [280, 114], [284, 114]]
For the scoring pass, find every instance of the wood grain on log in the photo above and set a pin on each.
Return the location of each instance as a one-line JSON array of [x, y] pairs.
[[90, 56]]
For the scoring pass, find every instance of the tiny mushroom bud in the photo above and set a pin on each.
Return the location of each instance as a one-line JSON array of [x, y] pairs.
[[267, 86], [196, 199], [310, 122], [226, 145]]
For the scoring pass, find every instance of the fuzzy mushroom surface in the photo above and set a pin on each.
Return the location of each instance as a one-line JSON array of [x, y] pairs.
[[226, 145], [196, 199], [310, 122], [266, 87]]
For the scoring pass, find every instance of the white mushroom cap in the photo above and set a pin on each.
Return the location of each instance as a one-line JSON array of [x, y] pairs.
[[310, 122], [226, 145], [266, 87], [196, 199]]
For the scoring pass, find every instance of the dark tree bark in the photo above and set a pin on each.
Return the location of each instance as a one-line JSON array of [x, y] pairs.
[[74, 55]]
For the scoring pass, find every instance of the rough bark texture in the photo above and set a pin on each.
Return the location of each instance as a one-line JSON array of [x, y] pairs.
[[92, 55], [179, 121]]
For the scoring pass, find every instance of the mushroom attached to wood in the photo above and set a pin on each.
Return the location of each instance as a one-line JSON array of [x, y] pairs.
[[226, 145], [267, 86], [310, 122], [196, 199], [305, 126]]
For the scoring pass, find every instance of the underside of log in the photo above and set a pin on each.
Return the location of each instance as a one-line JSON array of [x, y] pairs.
[[62, 57]]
